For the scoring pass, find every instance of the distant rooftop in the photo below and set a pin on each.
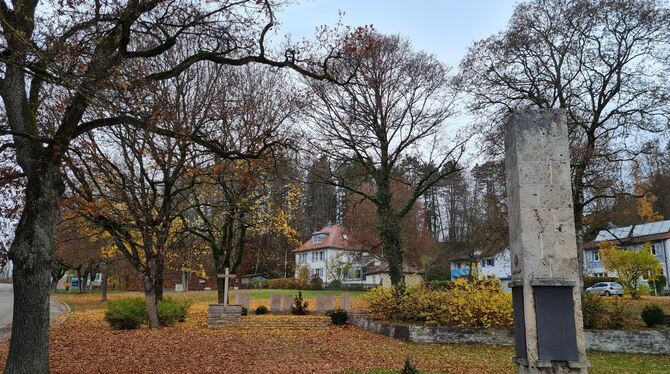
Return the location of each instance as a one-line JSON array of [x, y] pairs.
[[635, 232], [331, 236]]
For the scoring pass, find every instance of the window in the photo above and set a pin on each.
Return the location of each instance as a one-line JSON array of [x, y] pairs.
[[592, 256], [318, 272], [345, 236], [321, 255], [316, 239], [653, 248], [314, 256], [355, 274], [488, 262]]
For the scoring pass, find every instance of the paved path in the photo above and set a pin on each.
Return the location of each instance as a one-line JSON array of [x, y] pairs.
[[7, 304]]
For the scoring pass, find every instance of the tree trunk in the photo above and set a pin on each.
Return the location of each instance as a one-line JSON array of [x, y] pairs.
[[158, 278], [150, 301], [389, 230], [83, 281], [103, 286], [31, 254]]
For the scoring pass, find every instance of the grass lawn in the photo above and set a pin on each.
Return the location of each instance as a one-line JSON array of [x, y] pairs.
[[82, 342], [636, 306]]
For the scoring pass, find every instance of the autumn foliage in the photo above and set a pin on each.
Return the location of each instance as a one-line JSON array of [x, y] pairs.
[[481, 304], [631, 266]]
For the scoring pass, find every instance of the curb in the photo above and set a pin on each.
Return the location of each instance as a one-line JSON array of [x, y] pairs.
[[67, 307]]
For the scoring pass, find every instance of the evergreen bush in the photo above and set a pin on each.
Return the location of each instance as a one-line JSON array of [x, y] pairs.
[[652, 315], [409, 367], [299, 306], [126, 314], [338, 316], [171, 311]]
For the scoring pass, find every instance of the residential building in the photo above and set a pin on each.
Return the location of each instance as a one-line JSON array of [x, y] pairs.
[[332, 246], [498, 266], [630, 238]]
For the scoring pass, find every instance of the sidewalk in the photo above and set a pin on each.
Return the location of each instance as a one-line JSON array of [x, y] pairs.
[[56, 308]]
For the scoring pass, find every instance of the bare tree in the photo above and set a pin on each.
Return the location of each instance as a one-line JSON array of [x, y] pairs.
[[394, 107], [605, 61], [133, 186], [60, 63]]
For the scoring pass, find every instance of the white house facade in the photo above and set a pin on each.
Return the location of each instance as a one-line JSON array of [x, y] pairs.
[[328, 249], [498, 266], [630, 238]]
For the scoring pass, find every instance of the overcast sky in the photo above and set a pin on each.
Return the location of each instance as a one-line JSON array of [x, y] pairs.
[[441, 27]]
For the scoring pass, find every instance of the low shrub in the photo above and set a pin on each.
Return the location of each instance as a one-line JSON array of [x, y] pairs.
[[335, 285], [171, 311], [338, 316], [282, 284], [617, 315], [652, 315], [126, 314], [593, 310], [466, 304], [299, 306], [262, 309], [409, 368], [316, 283], [244, 311]]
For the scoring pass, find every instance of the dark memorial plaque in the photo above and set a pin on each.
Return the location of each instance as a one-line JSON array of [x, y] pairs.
[[519, 322], [555, 316]]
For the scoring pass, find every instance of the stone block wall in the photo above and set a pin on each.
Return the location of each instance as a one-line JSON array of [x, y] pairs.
[[623, 341], [219, 314], [629, 341]]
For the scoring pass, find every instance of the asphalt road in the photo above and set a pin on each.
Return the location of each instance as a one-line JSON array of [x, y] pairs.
[[7, 303]]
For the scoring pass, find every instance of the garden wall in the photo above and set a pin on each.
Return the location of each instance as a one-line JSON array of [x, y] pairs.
[[624, 341]]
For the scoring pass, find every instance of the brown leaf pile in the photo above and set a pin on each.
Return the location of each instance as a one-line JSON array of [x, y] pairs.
[[82, 342]]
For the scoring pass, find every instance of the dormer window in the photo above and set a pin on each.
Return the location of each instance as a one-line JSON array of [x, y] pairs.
[[316, 239]]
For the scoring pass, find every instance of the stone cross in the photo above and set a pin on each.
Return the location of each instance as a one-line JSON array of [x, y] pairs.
[[225, 277], [546, 288]]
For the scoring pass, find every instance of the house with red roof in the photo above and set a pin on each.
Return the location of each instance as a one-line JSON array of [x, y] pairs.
[[332, 254]]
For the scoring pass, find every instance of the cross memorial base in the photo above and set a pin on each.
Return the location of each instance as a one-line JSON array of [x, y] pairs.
[[220, 314]]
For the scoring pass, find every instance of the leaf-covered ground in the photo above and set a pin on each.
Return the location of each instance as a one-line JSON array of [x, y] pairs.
[[82, 342]]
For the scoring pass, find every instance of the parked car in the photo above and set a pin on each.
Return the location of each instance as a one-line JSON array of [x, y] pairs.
[[606, 289]]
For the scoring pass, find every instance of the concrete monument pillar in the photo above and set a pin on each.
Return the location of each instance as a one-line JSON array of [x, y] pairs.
[[546, 288]]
